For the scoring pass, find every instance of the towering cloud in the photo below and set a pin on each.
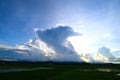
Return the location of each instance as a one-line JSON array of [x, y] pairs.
[[106, 53], [56, 38], [53, 45]]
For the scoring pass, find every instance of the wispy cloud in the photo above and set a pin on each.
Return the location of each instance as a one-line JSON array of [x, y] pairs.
[[108, 35]]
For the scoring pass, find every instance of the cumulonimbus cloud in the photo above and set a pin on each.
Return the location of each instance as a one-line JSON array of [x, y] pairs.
[[56, 38], [52, 45]]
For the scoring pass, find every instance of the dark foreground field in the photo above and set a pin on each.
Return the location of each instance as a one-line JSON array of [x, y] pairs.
[[55, 71]]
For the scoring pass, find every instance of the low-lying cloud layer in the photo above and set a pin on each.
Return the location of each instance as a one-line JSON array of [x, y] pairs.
[[52, 45]]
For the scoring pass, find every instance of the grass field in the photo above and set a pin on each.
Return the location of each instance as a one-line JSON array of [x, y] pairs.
[[55, 71]]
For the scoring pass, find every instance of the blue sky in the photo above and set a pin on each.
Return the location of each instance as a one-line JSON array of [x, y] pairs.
[[18, 18], [97, 20]]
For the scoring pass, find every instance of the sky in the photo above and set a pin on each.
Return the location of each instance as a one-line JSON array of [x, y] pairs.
[[97, 21]]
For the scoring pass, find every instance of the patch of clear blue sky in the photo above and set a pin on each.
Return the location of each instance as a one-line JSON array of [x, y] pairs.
[[19, 17]]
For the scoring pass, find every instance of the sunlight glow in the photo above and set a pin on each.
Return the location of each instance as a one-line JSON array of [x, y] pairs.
[[81, 44]]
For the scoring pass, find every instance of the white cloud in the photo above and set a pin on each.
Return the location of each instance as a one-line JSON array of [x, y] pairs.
[[50, 44], [106, 52], [55, 38], [22, 47], [35, 29], [105, 55], [59, 25], [53, 44], [81, 24], [100, 58], [108, 35], [21, 52]]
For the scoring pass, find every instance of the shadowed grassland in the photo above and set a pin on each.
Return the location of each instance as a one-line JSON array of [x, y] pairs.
[[56, 71]]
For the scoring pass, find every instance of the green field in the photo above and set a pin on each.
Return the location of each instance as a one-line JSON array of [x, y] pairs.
[[55, 71]]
